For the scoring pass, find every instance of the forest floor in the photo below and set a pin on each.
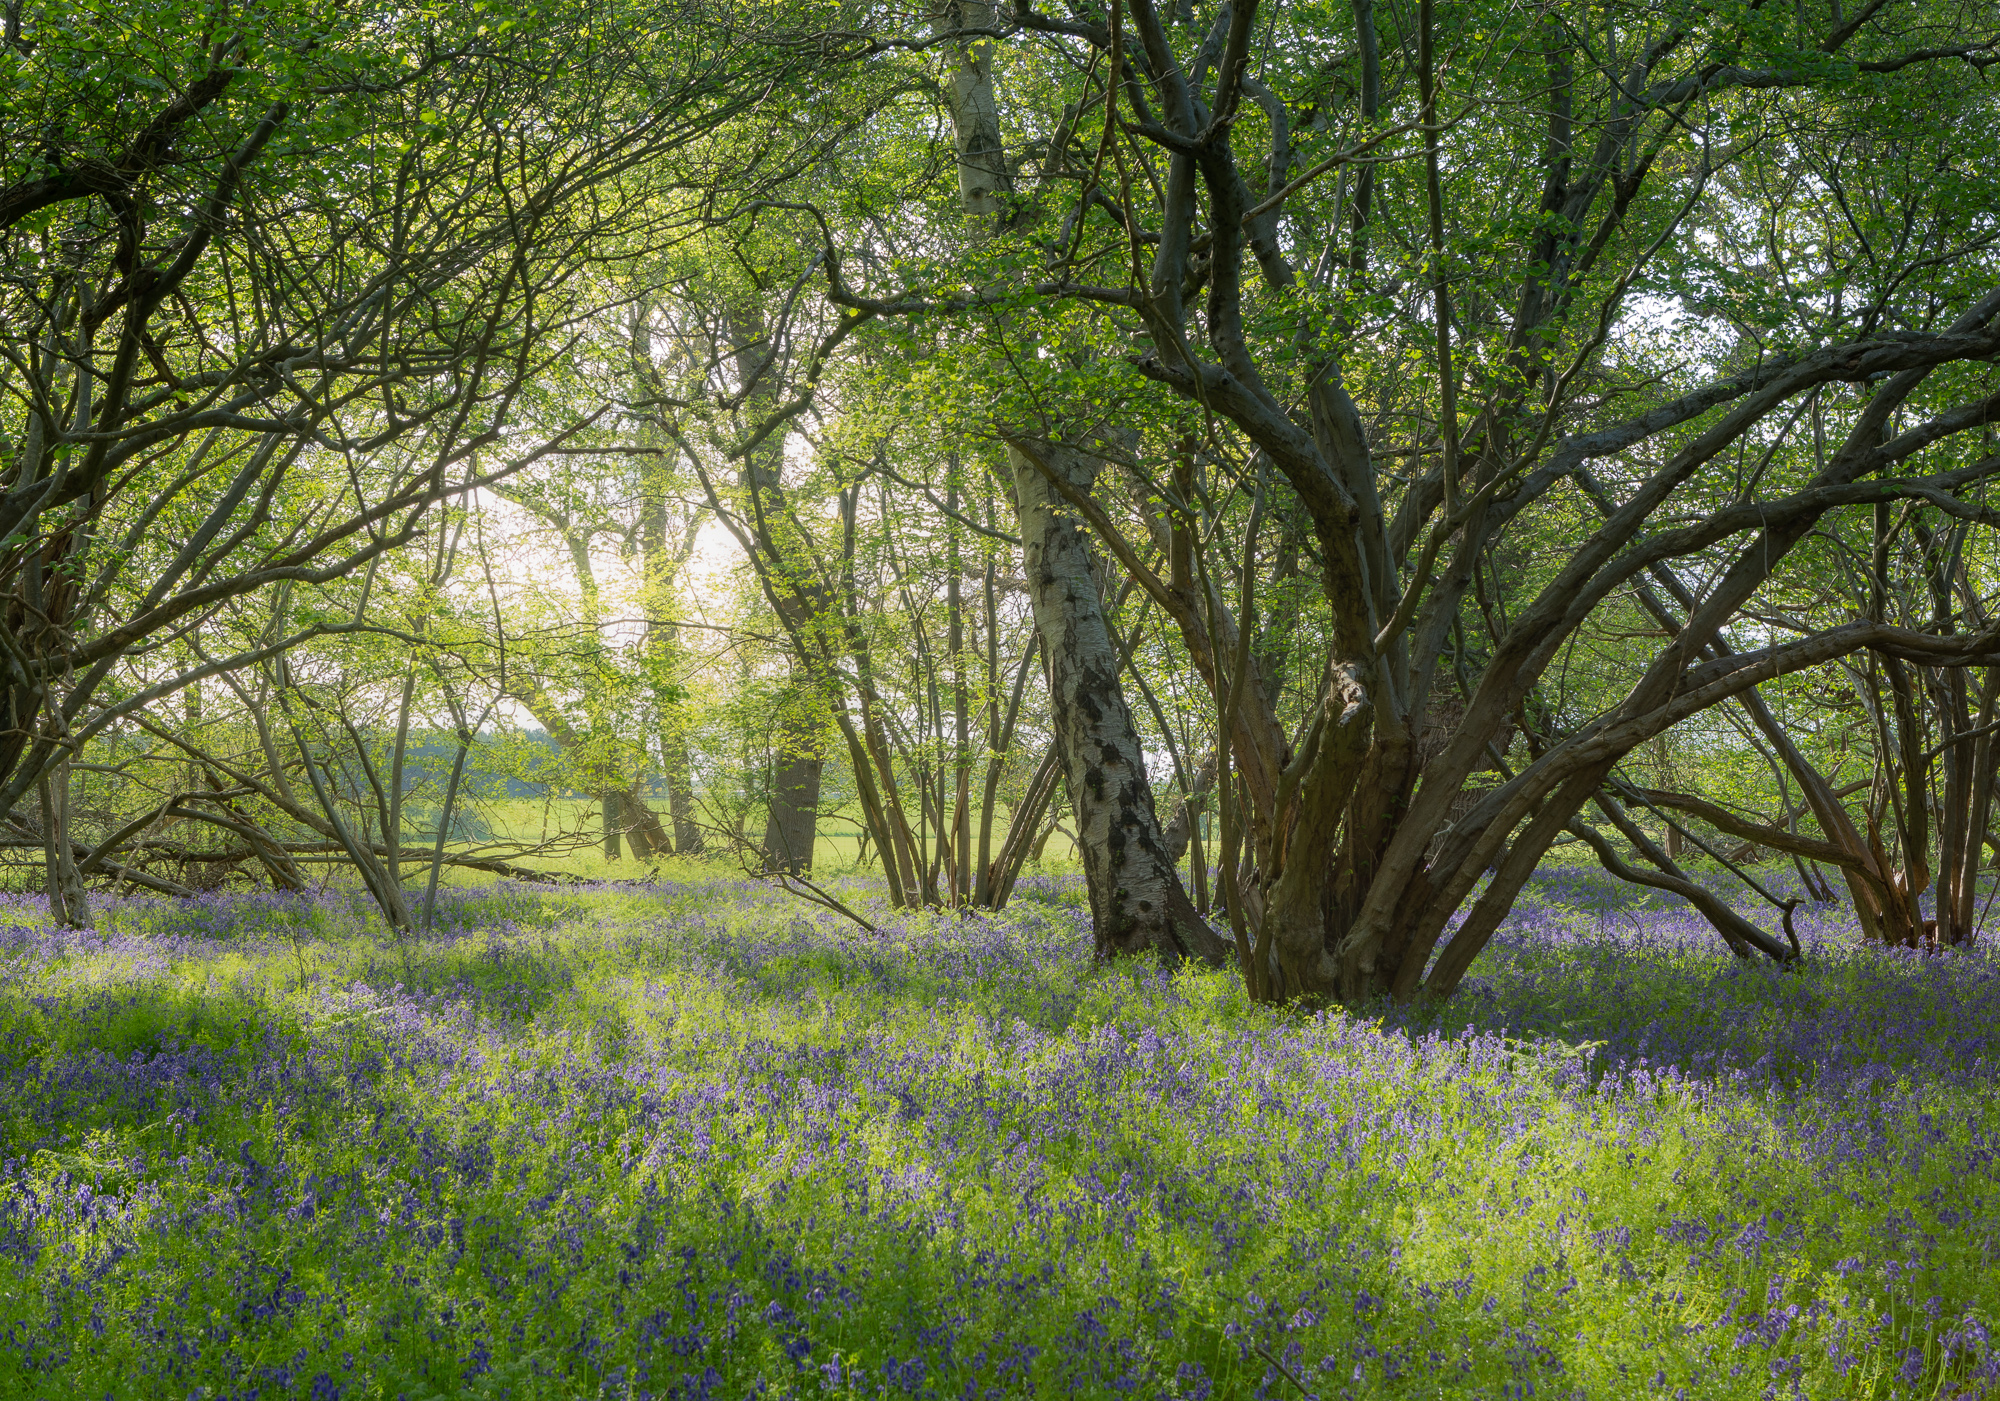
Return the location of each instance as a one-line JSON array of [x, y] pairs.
[[696, 1140]]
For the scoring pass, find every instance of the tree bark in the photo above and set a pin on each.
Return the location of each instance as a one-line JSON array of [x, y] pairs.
[[614, 819], [680, 799], [961, 735], [69, 901], [983, 183], [1022, 840], [1136, 900], [792, 819]]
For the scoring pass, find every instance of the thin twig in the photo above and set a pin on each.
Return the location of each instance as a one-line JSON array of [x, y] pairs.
[[1283, 1370]]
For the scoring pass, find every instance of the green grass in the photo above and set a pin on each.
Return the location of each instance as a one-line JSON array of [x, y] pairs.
[[836, 847], [686, 1140]]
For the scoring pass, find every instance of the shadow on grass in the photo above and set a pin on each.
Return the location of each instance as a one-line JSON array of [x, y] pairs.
[[1637, 977]]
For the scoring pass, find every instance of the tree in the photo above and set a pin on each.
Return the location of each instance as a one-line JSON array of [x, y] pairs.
[[280, 282], [1531, 175], [1137, 901]]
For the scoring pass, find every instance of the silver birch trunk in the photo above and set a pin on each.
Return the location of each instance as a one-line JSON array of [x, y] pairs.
[[1136, 899], [1137, 902]]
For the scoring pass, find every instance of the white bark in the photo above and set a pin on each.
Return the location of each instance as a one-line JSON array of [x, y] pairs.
[[1136, 899], [983, 183]]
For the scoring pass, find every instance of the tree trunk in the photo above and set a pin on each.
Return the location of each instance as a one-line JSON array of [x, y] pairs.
[[983, 180], [982, 889], [642, 827], [614, 818], [680, 800], [69, 902], [1136, 900], [1021, 841], [961, 736], [793, 818], [1968, 808]]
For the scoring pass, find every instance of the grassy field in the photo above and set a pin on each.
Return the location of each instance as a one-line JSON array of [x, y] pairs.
[[526, 820], [689, 1140]]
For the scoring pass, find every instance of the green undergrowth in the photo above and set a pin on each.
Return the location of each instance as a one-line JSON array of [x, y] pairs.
[[684, 1140]]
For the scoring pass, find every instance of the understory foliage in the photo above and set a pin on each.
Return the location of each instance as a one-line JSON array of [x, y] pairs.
[[680, 1140]]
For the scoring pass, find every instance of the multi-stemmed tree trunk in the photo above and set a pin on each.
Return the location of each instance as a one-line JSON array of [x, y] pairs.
[[1888, 870], [69, 901]]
